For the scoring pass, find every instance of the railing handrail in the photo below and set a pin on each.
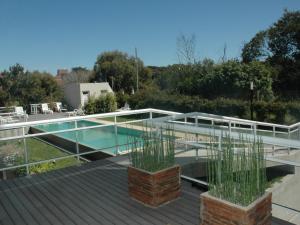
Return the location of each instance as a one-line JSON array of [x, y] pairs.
[[76, 118], [232, 119]]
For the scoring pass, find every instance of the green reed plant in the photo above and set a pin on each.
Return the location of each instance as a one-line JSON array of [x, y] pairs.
[[154, 149], [238, 176]]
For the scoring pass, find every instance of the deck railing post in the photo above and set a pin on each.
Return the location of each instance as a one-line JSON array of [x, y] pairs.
[[299, 132], [76, 137], [274, 135], [116, 135], [229, 125], [196, 121], [197, 150], [185, 134], [25, 151], [289, 137], [150, 115]]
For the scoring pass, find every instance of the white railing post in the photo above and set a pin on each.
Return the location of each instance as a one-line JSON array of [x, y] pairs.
[[299, 132], [196, 121], [25, 151], [116, 135], [289, 137], [150, 115], [254, 130], [229, 125], [274, 135], [76, 137], [185, 134]]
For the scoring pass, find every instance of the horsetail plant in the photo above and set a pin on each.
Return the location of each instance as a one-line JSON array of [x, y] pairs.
[[153, 150], [236, 171]]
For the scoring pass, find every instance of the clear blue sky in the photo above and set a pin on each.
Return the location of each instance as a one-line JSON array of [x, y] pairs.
[[51, 34]]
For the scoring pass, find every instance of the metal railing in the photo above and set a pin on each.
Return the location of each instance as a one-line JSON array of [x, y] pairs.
[[21, 133], [198, 123]]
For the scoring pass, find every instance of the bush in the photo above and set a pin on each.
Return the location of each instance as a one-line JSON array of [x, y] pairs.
[[102, 104], [273, 111]]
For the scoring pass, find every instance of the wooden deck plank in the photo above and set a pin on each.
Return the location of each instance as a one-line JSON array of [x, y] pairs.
[[98, 194], [93, 193], [121, 183]]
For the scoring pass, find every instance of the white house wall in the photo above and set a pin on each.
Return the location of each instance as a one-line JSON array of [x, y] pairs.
[[74, 92]]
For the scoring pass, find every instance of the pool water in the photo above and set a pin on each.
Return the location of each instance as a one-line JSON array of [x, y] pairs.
[[96, 138]]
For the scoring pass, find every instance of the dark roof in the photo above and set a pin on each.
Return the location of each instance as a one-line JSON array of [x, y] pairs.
[[94, 193]]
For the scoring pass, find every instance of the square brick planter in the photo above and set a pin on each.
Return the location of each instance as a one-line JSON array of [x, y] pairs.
[[220, 212], [154, 189]]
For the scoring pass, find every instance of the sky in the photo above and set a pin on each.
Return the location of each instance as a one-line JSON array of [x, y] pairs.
[[47, 35]]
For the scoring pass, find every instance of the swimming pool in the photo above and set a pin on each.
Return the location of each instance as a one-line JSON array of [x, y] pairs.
[[96, 138]]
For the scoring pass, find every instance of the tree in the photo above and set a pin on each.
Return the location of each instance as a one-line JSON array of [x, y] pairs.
[[279, 46], [119, 69], [256, 49], [77, 75], [186, 49], [23, 88], [284, 43]]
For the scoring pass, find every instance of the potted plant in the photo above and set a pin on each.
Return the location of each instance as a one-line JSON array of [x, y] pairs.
[[153, 176], [237, 184]]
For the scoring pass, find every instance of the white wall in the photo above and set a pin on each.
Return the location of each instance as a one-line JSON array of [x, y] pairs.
[[74, 92]]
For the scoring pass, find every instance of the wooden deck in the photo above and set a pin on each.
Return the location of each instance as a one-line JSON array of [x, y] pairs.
[[94, 193]]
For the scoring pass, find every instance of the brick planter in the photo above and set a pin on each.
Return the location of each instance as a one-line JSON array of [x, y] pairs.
[[220, 212], [154, 189]]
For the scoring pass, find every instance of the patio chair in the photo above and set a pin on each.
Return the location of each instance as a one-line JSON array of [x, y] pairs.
[[20, 112], [79, 112], [59, 107], [7, 119], [2, 120], [124, 108], [45, 109]]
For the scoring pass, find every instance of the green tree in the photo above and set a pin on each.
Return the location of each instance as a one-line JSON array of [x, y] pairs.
[[77, 75], [119, 69], [256, 49], [279, 46], [23, 88]]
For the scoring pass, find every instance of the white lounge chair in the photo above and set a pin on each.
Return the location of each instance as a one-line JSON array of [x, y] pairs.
[[79, 112], [45, 109], [59, 107], [124, 108], [7, 119], [20, 112], [76, 112]]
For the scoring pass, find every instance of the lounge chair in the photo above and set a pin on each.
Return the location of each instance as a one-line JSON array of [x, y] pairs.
[[7, 119], [80, 112], [59, 107], [76, 112], [124, 108], [45, 109], [20, 112]]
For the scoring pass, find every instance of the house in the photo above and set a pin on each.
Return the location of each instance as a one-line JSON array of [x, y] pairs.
[[77, 94]]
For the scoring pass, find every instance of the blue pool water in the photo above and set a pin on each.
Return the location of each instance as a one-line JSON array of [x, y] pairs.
[[96, 138]]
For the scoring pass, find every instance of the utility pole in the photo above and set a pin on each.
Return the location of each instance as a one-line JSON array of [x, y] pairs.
[[137, 70]]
